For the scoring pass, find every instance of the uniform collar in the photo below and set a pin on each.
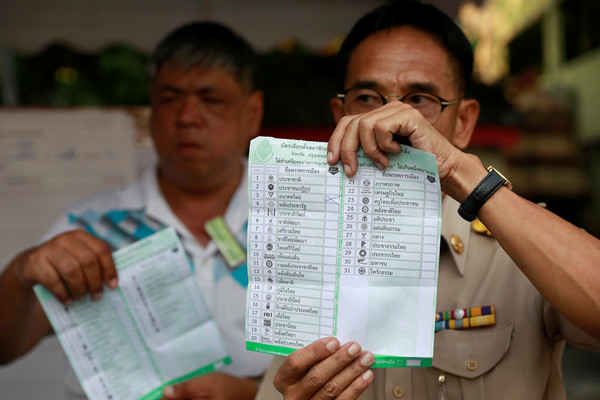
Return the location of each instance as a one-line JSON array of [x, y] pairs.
[[453, 224]]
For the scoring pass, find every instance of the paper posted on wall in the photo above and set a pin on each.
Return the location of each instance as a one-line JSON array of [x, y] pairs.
[[351, 257], [153, 330]]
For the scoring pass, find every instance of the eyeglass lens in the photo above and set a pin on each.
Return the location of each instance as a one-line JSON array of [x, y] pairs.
[[358, 101]]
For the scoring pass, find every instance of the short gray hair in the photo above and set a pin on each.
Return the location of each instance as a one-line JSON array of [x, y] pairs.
[[207, 45]]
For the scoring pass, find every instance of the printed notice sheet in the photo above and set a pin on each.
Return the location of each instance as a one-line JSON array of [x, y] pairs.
[[329, 255], [152, 331]]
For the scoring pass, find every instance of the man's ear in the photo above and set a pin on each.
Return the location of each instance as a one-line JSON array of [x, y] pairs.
[[468, 112], [337, 108], [255, 112]]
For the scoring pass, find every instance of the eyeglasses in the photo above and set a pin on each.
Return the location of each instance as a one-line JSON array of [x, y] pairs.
[[361, 100]]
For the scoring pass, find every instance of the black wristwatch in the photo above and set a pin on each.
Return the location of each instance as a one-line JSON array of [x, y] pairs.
[[486, 188]]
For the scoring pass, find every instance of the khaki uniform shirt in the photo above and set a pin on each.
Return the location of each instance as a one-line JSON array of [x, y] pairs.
[[518, 358]]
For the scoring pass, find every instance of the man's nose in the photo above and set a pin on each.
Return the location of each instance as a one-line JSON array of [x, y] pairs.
[[190, 110], [392, 97]]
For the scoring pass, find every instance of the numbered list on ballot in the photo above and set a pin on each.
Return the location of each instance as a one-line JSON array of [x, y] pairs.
[[350, 257]]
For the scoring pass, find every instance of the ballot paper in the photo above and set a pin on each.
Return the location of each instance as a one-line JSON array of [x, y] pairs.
[[350, 257], [152, 331]]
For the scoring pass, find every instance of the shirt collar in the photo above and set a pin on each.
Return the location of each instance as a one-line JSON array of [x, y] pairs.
[[236, 215], [157, 207]]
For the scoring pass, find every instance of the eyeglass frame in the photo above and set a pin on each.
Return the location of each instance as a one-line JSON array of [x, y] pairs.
[[443, 102]]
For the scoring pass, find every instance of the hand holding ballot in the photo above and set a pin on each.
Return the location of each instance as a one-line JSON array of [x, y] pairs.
[[70, 266], [325, 370], [155, 330]]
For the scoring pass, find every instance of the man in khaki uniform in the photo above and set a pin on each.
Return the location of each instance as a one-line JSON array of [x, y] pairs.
[[518, 358], [536, 270]]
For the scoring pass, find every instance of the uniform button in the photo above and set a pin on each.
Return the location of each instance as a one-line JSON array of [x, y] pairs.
[[398, 392], [456, 243], [472, 364]]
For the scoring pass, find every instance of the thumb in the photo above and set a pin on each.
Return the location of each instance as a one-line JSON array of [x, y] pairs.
[[191, 389]]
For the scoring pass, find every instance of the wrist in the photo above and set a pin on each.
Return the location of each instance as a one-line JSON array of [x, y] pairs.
[[16, 268], [494, 180], [464, 177]]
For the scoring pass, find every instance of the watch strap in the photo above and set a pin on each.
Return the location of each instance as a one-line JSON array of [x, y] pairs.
[[482, 192]]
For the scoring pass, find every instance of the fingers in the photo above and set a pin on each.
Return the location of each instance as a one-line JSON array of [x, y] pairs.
[[374, 132], [357, 387], [344, 144], [297, 363], [323, 370], [78, 269], [349, 382], [103, 254], [47, 275], [70, 266]]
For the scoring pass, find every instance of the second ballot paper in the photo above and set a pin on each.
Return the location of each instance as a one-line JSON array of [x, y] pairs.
[[350, 257], [153, 330]]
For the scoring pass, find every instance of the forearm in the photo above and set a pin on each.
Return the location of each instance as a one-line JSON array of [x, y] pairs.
[[560, 259], [22, 320]]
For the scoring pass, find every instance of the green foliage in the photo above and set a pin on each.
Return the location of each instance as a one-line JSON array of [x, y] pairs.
[[61, 77], [297, 82]]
